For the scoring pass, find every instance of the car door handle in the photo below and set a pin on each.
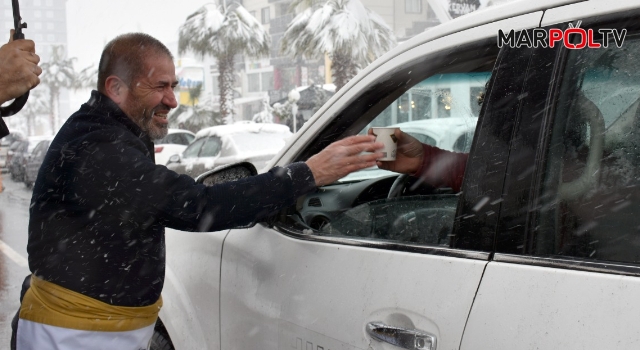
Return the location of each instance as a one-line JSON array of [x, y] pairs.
[[400, 337]]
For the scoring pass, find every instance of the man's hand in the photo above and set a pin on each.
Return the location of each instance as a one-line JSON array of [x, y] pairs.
[[19, 69], [408, 157], [343, 157]]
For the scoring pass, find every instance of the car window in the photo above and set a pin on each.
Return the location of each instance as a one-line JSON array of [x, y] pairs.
[[438, 108], [591, 181], [188, 138], [193, 149], [40, 149], [211, 147]]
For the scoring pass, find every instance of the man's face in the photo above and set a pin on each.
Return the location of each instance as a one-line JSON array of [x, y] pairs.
[[150, 96]]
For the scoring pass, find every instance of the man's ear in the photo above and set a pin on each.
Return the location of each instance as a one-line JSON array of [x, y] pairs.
[[116, 89]]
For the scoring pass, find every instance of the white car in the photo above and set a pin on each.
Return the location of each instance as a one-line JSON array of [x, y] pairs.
[[539, 250], [227, 144], [174, 143]]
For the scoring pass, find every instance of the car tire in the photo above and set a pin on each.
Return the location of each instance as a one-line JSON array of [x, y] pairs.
[[160, 340]]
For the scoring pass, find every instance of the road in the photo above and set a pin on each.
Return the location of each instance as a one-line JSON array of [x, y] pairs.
[[14, 220]]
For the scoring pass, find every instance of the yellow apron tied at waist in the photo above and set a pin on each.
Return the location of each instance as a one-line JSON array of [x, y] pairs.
[[50, 304]]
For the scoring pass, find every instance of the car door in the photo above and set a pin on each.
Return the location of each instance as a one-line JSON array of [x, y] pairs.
[[347, 263], [566, 272]]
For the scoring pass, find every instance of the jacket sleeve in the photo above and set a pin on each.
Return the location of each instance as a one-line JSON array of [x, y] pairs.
[[442, 168], [121, 177]]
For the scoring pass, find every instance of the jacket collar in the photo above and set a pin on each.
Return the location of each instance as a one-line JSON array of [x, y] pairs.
[[106, 105]]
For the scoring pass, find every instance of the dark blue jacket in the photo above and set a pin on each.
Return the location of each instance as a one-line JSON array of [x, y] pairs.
[[100, 205]]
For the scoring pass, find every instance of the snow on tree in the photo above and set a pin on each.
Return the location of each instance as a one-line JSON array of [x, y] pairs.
[[266, 114], [223, 33], [349, 33]]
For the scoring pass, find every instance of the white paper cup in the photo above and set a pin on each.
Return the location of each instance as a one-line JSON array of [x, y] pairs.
[[387, 137]]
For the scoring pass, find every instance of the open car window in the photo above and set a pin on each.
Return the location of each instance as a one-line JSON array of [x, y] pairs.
[[439, 106]]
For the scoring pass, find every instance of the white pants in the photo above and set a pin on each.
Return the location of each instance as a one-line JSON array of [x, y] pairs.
[[39, 336]]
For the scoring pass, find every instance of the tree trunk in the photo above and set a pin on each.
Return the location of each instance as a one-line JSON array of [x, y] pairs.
[[343, 70], [226, 81], [52, 109]]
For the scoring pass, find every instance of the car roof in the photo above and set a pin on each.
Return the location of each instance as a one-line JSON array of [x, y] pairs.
[[222, 130], [175, 131], [438, 124], [484, 16]]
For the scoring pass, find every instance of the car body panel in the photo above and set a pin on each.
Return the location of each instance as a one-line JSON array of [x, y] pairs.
[[191, 291], [277, 291], [550, 308]]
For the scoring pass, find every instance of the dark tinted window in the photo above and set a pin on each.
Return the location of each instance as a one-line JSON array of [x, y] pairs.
[[591, 189]]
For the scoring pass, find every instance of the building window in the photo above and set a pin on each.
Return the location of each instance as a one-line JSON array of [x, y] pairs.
[[37, 14], [412, 6], [49, 3], [37, 25], [50, 26], [266, 15], [253, 82], [267, 81], [51, 38], [49, 14], [37, 2]]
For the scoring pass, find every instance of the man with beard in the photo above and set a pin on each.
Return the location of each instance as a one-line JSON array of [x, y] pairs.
[[100, 205]]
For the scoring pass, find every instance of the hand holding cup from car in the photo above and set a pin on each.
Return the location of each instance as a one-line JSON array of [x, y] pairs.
[[408, 153], [343, 157]]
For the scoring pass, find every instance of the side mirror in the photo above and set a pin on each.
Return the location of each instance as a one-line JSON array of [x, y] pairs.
[[226, 173], [174, 159]]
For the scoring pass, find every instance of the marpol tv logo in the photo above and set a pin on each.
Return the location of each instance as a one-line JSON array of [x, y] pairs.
[[573, 38]]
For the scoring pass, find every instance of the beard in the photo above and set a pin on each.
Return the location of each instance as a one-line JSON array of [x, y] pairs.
[[155, 131], [143, 117]]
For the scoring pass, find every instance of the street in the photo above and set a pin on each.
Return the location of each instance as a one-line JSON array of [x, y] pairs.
[[14, 220]]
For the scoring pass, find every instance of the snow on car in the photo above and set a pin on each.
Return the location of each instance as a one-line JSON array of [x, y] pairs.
[[227, 144]]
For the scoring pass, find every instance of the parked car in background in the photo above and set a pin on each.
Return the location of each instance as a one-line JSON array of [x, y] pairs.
[[174, 143], [14, 157], [18, 162], [15, 149], [226, 144], [5, 143], [540, 249], [35, 158]]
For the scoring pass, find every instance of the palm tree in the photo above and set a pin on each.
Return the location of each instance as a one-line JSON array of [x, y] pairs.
[[57, 74], [194, 94], [224, 33], [350, 34], [36, 105]]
